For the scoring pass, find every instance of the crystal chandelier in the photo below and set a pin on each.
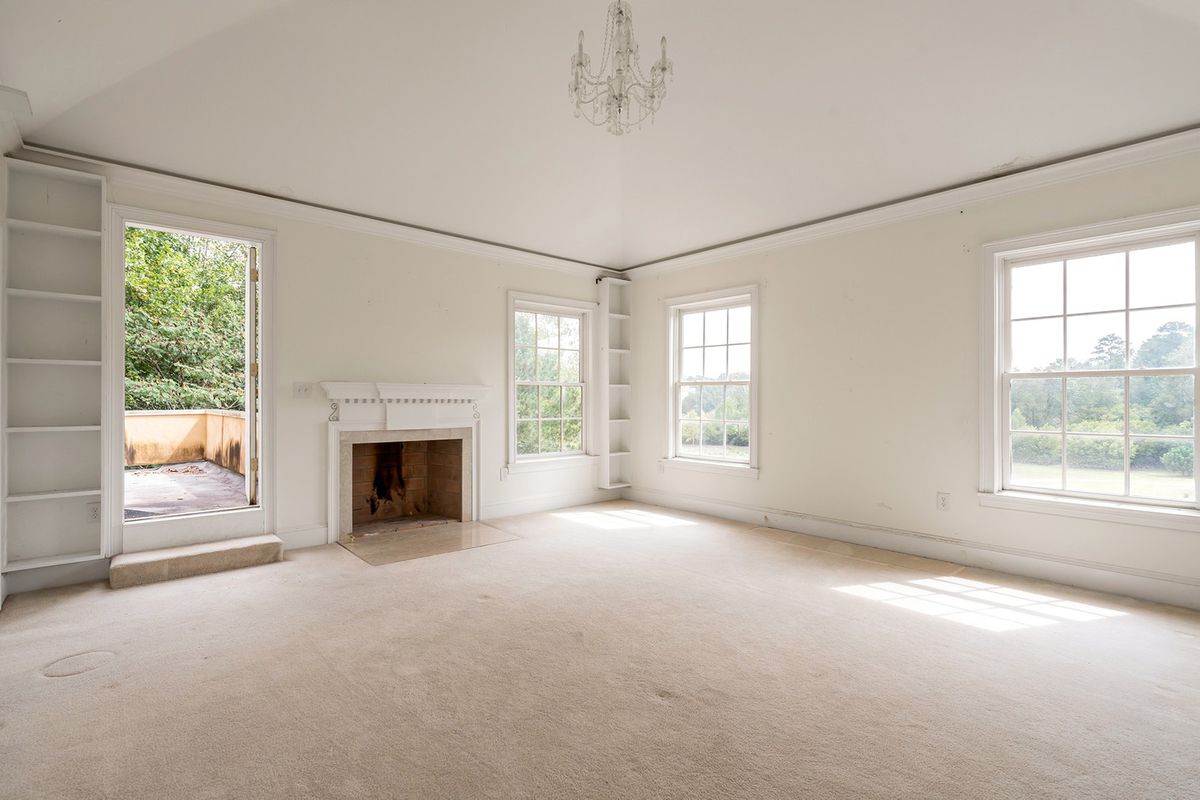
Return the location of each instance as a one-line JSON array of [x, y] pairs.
[[618, 95]]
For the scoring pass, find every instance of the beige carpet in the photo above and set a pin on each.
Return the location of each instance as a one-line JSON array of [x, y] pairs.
[[607, 653]]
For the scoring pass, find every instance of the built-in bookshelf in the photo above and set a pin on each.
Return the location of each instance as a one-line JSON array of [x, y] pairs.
[[52, 324], [614, 362]]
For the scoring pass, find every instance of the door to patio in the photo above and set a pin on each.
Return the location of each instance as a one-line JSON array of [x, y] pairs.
[[191, 373]]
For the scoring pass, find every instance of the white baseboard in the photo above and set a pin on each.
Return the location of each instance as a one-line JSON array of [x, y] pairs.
[[1159, 587], [547, 502], [303, 537]]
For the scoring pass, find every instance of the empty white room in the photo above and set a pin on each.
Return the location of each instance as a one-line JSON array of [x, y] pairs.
[[599, 399]]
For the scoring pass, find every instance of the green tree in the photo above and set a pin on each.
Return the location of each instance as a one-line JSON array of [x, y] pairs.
[[184, 321]]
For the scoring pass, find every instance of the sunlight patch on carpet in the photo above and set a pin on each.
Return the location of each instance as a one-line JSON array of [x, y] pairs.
[[623, 519], [978, 604]]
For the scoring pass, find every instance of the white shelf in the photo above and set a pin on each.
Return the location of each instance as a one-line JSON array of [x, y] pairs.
[[617, 486], [46, 227], [619, 350], [29, 497], [55, 362], [51, 561], [621, 453], [615, 315], [618, 386], [65, 297], [54, 428], [622, 419]]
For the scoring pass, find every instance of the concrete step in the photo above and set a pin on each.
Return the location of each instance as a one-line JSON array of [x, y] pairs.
[[151, 566]]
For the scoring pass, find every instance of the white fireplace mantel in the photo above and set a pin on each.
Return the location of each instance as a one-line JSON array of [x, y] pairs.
[[373, 392]]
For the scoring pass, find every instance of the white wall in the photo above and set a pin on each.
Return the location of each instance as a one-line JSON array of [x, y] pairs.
[[869, 393], [356, 306]]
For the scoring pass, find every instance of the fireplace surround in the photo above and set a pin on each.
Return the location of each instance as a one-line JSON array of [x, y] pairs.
[[443, 421]]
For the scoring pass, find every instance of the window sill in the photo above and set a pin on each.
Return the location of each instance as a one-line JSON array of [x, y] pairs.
[[714, 467], [551, 464], [1184, 519]]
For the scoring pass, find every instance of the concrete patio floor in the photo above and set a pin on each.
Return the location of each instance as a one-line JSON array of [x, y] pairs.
[[182, 489]]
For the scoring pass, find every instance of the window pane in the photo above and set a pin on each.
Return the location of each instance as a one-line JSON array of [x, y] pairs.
[[572, 401], [1036, 461], [692, 368], [1162, 469], [739, 362], [569, 369], [739, 325], [523, 328], [547, 330], [1096, 464], [713, 443], [1037, 345], [572, 435], [1096, 341], [737, 402], [689, 402], [1096, 405], [527, 438], [1036, 405], [527, 402], [714, 363], [713, 401], [1037, 290], [569, 330], [1162, 276], [547, 367], [523, 364], [552, 436], [689, 438], [1162, 405], [737, 441], [693, 329], [551, 401], [1096, 283], [716, 326], [1163, 338]]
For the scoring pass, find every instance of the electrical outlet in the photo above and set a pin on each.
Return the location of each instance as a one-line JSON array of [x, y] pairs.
[[943, 501], [302, 391], [93, 510]]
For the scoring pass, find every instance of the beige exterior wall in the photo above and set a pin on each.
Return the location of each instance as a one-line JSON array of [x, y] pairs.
[[174, 437]]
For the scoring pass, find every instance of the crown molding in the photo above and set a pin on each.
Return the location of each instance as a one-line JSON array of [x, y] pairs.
[[935, 202], [198, 190]]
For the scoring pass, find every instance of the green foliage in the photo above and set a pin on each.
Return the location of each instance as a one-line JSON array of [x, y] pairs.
[[1180, 458], [1096, 453], [1037, 450], [184, 321]]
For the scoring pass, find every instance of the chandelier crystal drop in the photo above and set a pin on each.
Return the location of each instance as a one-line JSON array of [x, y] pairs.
[[618, 95]]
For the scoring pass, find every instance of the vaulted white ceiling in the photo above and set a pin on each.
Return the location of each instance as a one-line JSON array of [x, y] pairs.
[[454, 115]]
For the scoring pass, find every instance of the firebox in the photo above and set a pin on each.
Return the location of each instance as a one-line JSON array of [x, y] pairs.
[[417, 481]]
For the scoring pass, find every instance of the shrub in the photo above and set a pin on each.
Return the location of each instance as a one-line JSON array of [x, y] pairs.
[[1036, 450], [1180, 458], [1096, 453]]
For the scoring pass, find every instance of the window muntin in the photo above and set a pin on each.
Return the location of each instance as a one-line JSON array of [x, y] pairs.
[[713, 382], [1099, 385], [549, 371]]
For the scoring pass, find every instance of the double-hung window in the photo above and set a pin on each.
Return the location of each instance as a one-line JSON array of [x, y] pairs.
[[1098, 370], [549, 378], [712, 381]]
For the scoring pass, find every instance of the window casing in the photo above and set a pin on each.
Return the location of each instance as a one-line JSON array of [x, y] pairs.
[[548, 379], [1098, 370], [713, 371]]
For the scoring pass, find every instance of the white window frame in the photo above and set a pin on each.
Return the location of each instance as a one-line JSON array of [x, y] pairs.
[[586, 310], [673, 310], [997, 259]]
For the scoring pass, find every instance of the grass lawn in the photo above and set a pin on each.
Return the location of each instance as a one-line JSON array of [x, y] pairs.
[[1155, 484]]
